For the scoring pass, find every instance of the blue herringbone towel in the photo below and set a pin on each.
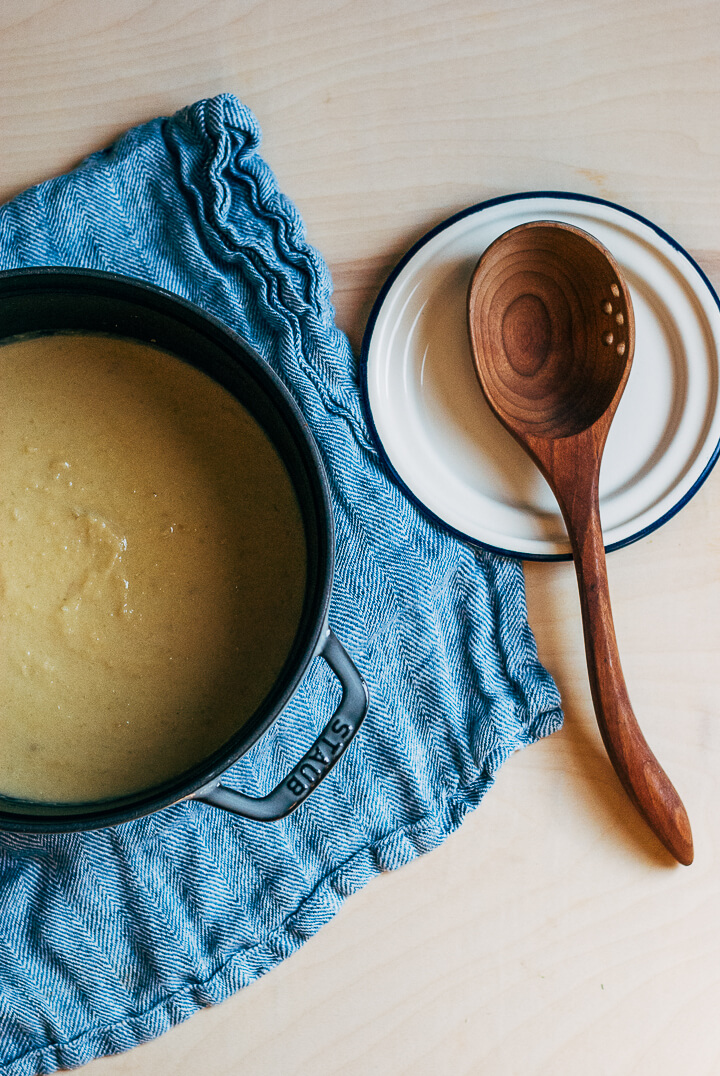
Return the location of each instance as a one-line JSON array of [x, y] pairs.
[[109, 938]]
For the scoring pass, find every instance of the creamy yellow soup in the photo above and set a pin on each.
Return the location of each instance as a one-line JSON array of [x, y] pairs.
[[152, 566]]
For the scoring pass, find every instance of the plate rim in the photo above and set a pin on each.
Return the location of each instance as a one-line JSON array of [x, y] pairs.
[[409, 254]]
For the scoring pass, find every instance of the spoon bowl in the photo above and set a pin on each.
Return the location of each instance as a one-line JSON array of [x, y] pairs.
[[553, 330], [552, 335]]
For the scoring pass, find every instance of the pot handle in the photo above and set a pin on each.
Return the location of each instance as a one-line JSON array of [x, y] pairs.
[[315, 763]]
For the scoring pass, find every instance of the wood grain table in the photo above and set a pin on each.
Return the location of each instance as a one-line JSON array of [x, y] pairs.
[[551, 935]]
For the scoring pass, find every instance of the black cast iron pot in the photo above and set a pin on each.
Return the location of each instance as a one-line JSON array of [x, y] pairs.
[[58, 299]]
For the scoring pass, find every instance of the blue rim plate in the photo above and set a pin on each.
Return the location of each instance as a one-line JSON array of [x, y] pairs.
[[437, 436]]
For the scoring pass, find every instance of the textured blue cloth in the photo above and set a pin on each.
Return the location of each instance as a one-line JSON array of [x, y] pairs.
[[109, 938]]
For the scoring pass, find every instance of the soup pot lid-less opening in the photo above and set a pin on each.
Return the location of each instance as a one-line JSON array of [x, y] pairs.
[[47, 300]]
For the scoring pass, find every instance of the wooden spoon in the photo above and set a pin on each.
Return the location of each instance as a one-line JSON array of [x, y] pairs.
[[552, 334]]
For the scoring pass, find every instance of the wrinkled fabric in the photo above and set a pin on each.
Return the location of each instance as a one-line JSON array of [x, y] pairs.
[[109, 938]]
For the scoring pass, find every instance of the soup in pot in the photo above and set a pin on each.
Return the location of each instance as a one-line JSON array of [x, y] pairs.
[[152, 567]]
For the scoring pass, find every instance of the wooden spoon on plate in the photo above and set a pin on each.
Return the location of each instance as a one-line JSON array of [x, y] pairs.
[[552, 335]]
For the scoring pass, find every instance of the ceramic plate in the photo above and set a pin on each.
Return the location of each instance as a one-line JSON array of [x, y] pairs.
[[430, 420]]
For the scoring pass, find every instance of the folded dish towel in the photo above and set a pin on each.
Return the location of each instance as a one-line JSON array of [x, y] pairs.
[[109, 938]]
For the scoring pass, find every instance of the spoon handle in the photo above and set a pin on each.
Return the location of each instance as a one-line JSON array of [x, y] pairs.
[[641, 775]]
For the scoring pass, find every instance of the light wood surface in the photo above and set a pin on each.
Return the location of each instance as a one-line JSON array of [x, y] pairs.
[[551, 936]]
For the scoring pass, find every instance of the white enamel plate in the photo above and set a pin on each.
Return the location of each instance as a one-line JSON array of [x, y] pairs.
[[437, 435]]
